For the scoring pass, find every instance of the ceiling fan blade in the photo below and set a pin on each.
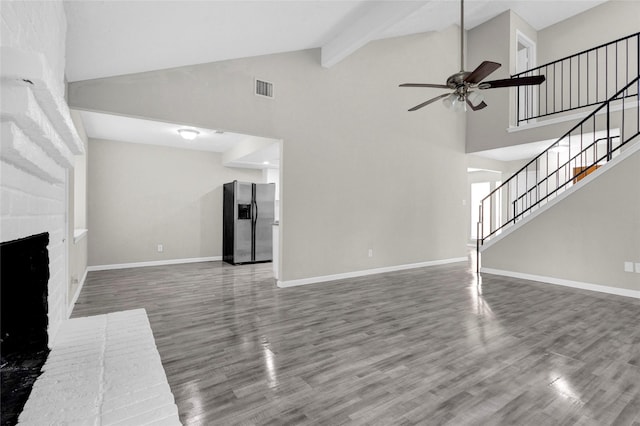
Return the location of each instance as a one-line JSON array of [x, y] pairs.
[[432, 100], [435, 86], [511, 82], [475, 108], [482, 71]]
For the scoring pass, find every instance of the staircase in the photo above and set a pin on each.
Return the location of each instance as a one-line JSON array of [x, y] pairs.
[[601, 136]]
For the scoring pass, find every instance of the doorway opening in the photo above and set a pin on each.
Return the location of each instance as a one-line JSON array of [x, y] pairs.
[[481, 183], [526, 60]]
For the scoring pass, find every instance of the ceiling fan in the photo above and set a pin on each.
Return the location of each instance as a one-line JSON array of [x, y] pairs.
[[465, 84]]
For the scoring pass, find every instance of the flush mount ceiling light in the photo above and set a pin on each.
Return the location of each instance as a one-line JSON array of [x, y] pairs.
[[188, 134]]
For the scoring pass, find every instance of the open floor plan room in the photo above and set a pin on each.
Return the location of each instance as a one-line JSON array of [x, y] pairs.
[[320, 212], [423, 346]]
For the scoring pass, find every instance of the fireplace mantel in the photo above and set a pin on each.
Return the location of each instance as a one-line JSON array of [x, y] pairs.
[[38, 134]]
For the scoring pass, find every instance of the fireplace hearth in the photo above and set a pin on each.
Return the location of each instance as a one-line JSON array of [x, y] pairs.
[[24, 276]]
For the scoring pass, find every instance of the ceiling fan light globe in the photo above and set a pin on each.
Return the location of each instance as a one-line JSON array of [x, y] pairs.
[[459, 105], [448, 101], [475, 98]]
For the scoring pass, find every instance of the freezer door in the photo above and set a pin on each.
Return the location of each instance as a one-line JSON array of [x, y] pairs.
[[243, 222], [228, 221], [264, 202]]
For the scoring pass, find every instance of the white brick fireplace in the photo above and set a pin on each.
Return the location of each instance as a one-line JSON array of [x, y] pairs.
[[38, 138], [101, 370]]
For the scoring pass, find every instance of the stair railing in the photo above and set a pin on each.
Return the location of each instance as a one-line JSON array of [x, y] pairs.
[[590, 144], [584, 79]]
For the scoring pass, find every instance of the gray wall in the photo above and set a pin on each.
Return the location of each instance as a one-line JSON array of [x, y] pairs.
[[144, 195], [586, 237], [609, 21], [358, 170], [495, 40]]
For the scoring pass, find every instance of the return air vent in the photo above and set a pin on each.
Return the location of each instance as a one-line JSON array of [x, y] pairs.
[[264, 88]]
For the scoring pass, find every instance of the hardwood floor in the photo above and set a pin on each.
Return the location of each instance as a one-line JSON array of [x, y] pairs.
[[422, 346]]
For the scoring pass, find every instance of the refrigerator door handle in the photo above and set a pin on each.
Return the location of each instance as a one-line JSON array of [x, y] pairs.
[[254, 222], [255, 216]]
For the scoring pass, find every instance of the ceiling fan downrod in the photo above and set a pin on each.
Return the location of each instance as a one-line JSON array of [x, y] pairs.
[[464, 83], [461, 35]]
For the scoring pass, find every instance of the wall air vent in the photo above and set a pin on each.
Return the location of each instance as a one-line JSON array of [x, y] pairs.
[[264, 88]]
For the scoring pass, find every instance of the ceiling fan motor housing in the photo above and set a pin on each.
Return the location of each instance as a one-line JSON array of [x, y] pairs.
[[457, 79], [464, 83]]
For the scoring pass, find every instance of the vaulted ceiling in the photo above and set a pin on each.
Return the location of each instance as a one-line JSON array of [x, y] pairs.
[[107, 38]]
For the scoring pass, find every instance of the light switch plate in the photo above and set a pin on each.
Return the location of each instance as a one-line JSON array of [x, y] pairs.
[[638, 267], [628, 266]]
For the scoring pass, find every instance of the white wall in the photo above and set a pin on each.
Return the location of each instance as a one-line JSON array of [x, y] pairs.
[[396, 180], [606, 22], [31, 203], [495, 40], [586, 237], [143, 195]]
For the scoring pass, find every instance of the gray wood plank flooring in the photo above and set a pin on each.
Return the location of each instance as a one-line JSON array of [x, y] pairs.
[[422, 346]]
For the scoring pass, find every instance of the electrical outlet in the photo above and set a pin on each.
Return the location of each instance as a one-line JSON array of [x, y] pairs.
[[160, 248], [628, 266], [370, 252]]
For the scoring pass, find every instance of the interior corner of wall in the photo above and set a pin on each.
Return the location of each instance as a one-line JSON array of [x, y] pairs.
[[78, 122]]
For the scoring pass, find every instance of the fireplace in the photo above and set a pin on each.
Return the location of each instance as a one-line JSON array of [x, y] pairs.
[[24, 276]]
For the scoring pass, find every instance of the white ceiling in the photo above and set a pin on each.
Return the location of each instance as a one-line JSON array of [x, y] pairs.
[[263, 158], [107, 38], [136, 130], [516, 152], [530, 150]]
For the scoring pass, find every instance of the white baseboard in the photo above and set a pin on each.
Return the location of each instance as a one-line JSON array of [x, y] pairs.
[[77, 293], [567, 283], [355, 274], [152, 263]]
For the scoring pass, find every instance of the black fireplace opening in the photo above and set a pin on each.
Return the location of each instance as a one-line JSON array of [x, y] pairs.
[[24, 277]]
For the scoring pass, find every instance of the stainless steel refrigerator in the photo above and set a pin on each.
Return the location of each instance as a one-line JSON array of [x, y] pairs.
[[248, 214]]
